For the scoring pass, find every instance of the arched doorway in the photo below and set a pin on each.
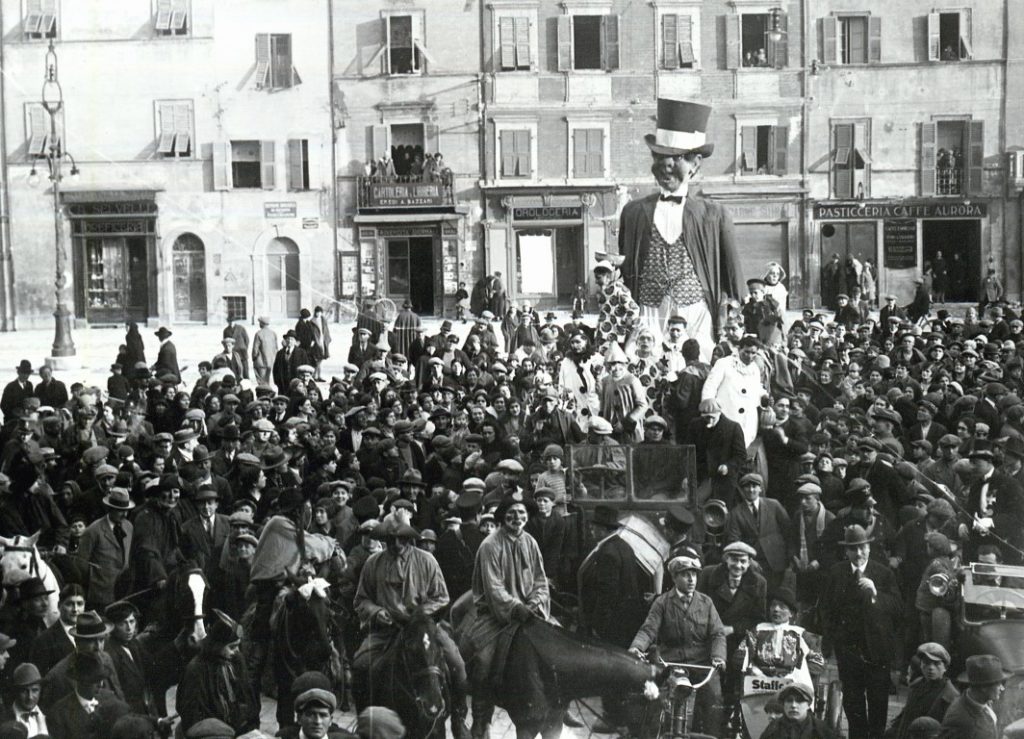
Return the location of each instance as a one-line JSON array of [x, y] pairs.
[[283, 277], [189, 257]]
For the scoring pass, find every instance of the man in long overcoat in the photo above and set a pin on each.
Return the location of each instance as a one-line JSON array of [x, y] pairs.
[[264, 351]]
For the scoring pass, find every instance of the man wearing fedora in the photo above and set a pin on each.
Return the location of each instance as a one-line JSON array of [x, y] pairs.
[[264, 352], [90, 634], [167, 356], [16, 391], [995, 509], [287, 362], [76, 714], [107, 545], [972, 715], [860, 606], [679, 246], [203, 536], [56, 642]]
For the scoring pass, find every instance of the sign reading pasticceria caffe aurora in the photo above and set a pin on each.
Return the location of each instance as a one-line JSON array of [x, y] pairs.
[[874, 211]]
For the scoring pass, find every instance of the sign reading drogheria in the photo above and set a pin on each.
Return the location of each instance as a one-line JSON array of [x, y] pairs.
[[874, 211]]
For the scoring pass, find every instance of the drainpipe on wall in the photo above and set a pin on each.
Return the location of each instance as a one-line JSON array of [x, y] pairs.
[[333, 210], [7, 318], [805, 229]]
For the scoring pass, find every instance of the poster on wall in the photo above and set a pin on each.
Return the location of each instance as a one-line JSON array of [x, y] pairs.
[[899, 243], [349, 275]]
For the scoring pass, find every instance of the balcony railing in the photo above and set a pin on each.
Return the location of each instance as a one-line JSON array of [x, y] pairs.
[[949, 180], [404, 192]]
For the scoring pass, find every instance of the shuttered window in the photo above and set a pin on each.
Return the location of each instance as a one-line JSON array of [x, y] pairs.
[[514, 49], [515, 153], [298, 164], [40, 20], [275, 69], [37, 130], [404, 50], [244, 164], [172, 18], [764, 150], [174, 126], [677, 42], [851, 160], [851, 39], [588, 42], [949, 35], [588, 152]]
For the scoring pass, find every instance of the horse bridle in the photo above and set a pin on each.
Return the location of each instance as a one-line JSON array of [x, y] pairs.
[[33, 568], [437, 672]]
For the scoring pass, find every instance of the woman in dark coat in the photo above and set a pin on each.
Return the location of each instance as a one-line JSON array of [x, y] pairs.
[[479, 300], [135, 350]]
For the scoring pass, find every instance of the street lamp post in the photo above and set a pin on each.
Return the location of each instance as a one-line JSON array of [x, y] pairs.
[[53, 103]]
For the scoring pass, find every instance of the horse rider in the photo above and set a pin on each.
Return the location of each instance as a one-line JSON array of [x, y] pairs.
[[394, 585], [284, 548], [509, 585]]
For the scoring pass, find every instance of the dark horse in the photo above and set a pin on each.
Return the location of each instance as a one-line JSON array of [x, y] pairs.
[[547, 667], [411, 678], [303, 641], [172, 638]]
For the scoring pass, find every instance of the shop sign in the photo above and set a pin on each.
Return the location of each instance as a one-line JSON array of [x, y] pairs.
[[280, 209], [310, 223], [405, 195], [875, 211], [899, 243], [549, 213]]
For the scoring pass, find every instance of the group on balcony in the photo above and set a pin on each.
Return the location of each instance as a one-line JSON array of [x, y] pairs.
[[408, 164], [949, 171]]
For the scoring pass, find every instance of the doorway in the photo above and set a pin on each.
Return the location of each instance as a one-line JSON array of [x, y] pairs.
[[568, 263], [960, 244], [411, 272], [117, 286], [189, 257], [283, 293], [856, 239]]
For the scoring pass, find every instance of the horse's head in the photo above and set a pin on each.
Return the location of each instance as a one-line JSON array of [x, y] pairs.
[[20, 559], [424, 661], [189, 604]]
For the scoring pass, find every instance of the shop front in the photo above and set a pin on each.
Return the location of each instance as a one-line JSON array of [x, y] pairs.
[[544, 243], [402, 257], [902, 239], [766, 231], [114, 257]]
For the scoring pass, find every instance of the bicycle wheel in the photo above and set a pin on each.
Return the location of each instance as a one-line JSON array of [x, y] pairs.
[[348, 311], [385, 310]]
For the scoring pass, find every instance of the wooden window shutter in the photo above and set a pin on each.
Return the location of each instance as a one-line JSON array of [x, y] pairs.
[[33, 16], [166, 143], [976, 152], [780, 146], [267, 165], [379, 143], [780, 58], [829, 40], [295, 179], [928, 137], [48, 21], [748, 148], [874, 38], [685, 24], [524, 166], [507, 154], [524, 53], [669, 41], [842, 161], [579, 153], [966, 47], [732, 42], [163, 15], [262, 75], [934, 52], [37, 130], [431, 138], [182, 128], [221, 165], [564, 43], [507, 42], [595, 152], [179, 14], [609, 42]]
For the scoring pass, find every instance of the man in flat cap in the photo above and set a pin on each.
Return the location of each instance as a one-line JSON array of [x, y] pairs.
[[679, 246], [763, 524]]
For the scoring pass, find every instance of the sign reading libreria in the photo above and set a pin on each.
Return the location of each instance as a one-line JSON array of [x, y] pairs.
[[405, 194], [872, 211]]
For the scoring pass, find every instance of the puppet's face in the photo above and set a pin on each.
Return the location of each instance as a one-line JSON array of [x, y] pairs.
[[672, 172]]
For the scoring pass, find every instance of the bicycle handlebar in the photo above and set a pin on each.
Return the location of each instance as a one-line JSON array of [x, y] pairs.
[[711, 670]]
